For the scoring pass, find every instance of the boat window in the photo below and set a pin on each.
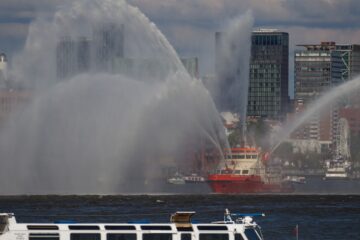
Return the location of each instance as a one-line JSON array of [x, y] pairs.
[[185, 236], [254, 156], [4, 223], [120, 227], [245, 172], [185, 229], [121, 236], [157, 236], [42, 227], [154, 227], [251, 234], [237, 172], [44, 236], [241, 156], [238, 236], [213, 228], [83, 227], [85, 236], [213, 236]]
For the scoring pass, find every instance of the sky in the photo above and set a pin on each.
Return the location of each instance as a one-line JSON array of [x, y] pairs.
[[190, 25]]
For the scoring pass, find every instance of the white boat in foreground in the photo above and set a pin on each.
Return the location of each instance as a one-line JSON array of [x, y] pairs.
[[179, 228]]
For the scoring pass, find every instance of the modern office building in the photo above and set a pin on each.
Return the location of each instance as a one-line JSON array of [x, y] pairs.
[[78, 55], [3, 69], [72, 57], [318, 68], [269, 74], [192, 66], [66, 58], [108, 43], [225, 77]]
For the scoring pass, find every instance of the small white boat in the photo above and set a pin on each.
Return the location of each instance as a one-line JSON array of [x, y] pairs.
[[337, 169], [176, 179], [179, 228], [295, 179]]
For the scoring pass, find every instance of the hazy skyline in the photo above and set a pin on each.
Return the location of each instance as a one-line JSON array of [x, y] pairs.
[[190, 25]]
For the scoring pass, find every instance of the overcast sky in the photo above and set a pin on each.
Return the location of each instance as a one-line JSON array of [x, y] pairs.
[[190, 24]]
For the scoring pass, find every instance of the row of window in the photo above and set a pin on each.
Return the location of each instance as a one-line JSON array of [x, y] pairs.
[[236, 172], [146, 236], [236, 156]]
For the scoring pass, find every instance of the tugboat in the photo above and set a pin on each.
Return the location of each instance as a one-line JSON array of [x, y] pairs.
[[243, 170], [180, 228]]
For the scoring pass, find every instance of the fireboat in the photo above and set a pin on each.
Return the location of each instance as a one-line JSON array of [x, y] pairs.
[[244, 170]]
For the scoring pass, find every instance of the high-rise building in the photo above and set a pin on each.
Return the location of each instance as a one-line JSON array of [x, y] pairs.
[[192, 66], [226, 78], [66, 58], [78, 55], [318, 68], [72, 57], [269, 74], [83, 54], [3, 69], [108, 40]]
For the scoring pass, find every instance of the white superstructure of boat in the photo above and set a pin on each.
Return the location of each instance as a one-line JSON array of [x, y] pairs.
[[179, 228], [337, 170]]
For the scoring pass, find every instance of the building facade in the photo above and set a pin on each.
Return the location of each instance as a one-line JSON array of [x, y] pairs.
[[3, 70], [269, 74], [192, 66], [267, 94], [97, 52], [318, 68]]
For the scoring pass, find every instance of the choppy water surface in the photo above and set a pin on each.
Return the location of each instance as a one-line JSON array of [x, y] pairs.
[[318, 216]]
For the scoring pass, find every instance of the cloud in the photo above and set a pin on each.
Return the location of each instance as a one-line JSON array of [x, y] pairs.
[[13, 30], [190, 24]]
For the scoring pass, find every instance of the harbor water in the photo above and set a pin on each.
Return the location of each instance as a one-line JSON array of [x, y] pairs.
[[324, 217]]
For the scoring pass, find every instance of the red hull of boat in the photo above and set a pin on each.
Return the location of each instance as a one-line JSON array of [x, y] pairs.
[[231, 184]]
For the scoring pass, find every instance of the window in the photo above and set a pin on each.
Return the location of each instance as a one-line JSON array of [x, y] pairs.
[[83, 227], [157, 236], [213, 228], [184, 229], [245, 172], [213, 236], [85, 236], [42, 227], [155, 227], [238, 236], [186, 236], [44, 236], [251, 234], [120, 227], [121, 236]]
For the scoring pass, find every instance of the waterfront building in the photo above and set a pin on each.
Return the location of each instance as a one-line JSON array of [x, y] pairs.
[[108, 43], [352, 115], [318, 68], [225, 77], [72, 57], [269, 74], [192, 66], [78, 55], [3, 70]]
